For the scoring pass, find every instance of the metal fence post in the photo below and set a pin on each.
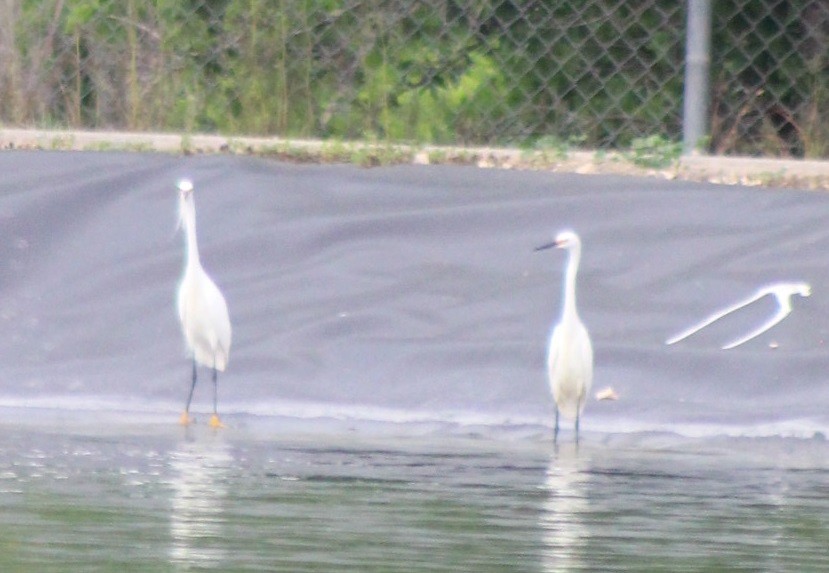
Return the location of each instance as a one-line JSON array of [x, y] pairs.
[[697, 61]]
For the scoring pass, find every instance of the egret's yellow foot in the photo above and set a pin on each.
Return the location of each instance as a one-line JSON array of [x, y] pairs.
[[185, 419], [215, 422]]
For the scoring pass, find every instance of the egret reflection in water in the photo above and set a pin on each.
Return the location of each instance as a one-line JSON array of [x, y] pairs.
[[564, 531], [200, 471]]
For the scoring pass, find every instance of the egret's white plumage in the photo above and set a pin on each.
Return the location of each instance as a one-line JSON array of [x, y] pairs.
[[570, 354], [202, 309]]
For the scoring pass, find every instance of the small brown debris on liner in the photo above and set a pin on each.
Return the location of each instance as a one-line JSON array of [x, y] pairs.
[[607, 393]]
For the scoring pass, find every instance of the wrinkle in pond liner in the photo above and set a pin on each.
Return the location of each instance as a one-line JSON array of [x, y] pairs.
[[404, 297], [782, 293]]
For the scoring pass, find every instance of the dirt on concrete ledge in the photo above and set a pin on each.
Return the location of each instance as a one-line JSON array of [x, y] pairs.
[[727, 170]]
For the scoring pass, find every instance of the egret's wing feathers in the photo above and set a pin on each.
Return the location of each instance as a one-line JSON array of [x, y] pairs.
[[570, 365], [219, 320], [589, 365], [205, 320]]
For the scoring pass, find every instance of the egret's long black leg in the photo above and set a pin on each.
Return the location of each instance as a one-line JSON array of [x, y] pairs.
[[192, 388], [578, 415], [215, 422], [185, 416], [215, 391], [555, 430]]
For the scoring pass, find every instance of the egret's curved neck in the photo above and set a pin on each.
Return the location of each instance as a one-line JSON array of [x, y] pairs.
[[569, 306], [188, 217]]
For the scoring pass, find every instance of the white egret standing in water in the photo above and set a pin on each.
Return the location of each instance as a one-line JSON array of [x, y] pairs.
[[201, 308], [570, 355]]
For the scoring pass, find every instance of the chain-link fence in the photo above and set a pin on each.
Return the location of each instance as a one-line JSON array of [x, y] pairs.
[[592, 73], [770, 77]]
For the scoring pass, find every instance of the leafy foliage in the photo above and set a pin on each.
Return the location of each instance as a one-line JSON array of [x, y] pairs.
[[605, 73]]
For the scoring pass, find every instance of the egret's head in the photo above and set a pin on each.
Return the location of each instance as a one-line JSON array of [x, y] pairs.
[[185, 189], [567, 240], [184, 185], [564, 240]]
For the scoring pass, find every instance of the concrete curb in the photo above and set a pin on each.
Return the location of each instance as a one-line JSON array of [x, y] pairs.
[[808, 174]]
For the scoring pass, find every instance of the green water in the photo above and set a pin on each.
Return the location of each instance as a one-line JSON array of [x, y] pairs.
[[170, 500]]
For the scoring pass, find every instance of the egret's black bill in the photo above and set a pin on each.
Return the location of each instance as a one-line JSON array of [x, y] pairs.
[[547, 246]]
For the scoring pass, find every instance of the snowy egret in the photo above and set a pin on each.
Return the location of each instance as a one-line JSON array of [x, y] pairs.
[[202, 309], [782, 292], [570, 354]]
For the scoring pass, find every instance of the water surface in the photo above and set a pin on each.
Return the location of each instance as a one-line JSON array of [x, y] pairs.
[[152, 498]]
